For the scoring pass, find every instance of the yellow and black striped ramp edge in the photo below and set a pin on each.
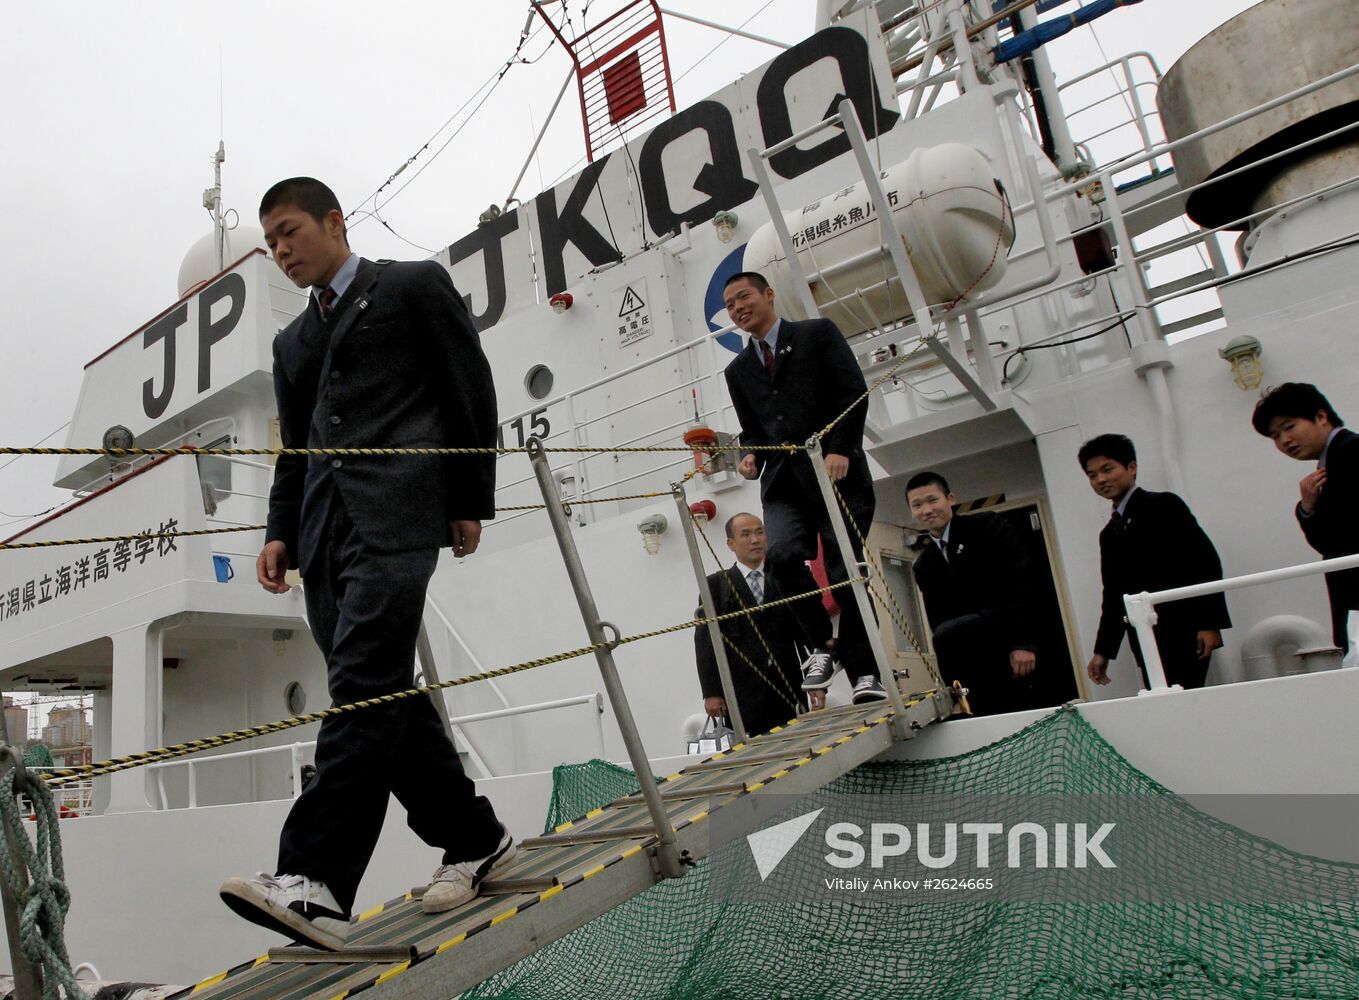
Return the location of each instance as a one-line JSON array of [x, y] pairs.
[[582, 869]]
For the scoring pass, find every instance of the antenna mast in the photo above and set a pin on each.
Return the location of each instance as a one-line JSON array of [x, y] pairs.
[[212, 201]]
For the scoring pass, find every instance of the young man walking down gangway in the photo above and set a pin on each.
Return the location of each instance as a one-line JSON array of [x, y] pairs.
[[383, 355], [791, 381]]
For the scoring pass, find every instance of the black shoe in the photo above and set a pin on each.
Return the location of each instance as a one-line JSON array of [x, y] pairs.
[[868, 688], [817, 671]]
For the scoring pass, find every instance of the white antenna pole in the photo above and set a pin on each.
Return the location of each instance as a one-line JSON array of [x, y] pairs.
[[212, 201]]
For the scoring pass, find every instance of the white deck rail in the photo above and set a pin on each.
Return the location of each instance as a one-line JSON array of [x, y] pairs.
[[1142, 607]]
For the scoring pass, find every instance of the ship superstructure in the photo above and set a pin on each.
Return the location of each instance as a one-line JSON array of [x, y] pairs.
[[1044, 288]]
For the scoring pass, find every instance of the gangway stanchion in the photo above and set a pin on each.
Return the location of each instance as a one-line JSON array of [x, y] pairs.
[[860, 585], [705, 595], [667, 854]]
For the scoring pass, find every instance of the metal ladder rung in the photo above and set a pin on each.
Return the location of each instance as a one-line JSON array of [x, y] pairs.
[[599, 836], [737, 760], [355, 955], [729, 788], [514, 886]]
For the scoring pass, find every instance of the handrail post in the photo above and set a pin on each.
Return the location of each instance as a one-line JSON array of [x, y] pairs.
[[28, 980], [667, 852], [1142, 616], [859, 588], [705, 596]]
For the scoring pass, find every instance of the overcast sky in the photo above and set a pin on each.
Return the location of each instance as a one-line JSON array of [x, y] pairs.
[[113, 109]]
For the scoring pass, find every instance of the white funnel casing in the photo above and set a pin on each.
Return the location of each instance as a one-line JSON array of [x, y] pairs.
[[949, 210]]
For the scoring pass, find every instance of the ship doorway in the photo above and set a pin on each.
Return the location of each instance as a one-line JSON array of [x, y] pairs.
[[1056, 680], [1058, 660]]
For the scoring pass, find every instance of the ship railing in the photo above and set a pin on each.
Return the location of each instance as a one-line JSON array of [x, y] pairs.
[[1141, 607], [297, 752], [704, 381], [1142, 121]]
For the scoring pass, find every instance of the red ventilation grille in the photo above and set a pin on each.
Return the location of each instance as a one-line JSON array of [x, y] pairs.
[[622, 72]]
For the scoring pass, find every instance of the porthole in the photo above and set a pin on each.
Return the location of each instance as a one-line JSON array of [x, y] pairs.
[[295, 698], [538, 382]]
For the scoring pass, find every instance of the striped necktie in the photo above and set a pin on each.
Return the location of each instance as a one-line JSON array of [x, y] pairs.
[[756, 582]]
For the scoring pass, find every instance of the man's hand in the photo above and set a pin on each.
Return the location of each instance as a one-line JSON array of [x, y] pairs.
[[715, 707], [837, 467], [1310, 487], [1022, 662], [749, 467], [271, 566], [1098, 669], [466, 536], [1208, 640]]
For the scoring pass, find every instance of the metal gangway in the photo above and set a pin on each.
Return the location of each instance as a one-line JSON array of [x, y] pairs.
[[579, 871]]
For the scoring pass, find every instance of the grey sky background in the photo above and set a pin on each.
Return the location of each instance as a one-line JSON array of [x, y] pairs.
[[113, 110]]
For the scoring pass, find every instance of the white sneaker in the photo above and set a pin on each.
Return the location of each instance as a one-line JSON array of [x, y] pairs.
[[293, 905], [457, 883]]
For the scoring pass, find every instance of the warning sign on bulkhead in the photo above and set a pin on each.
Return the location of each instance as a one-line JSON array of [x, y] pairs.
[[634, 315]]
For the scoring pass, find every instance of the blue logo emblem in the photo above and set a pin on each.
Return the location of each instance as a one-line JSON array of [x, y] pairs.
[[713, 307]]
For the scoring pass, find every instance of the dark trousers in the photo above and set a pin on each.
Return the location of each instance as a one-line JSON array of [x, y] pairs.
[[970, 654], [1178, 646], [792, 526], [364, 608]]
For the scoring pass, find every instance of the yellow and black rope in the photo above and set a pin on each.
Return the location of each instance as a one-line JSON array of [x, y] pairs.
[[63, 776]]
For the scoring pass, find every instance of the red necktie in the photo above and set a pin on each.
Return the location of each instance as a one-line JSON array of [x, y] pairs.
[[768, 358], [326, 300]]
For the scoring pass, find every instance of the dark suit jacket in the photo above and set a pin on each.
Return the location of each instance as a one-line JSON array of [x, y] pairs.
[[816, 377], [762, 706], [987, 574], [1333, 527], [398, 364], [1157, 545]]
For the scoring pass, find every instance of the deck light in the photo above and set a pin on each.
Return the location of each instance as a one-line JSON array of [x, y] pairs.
[[702, 511], [1244, 355], [725, 224], [652, 528], [561, 302]]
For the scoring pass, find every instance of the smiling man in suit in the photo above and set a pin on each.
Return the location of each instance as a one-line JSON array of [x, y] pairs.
[[1303, 425], [791, 381], [974, 578], [1152, 542], [383, 355], [765, 666]]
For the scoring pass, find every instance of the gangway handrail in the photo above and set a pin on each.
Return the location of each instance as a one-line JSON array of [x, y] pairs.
[[1141, 607], [295, 749]]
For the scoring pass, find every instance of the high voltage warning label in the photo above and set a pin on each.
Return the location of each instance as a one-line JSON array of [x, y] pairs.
[[634, 315]]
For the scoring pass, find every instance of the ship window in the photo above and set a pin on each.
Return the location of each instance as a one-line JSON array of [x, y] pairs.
[[214, 469], [538, 382], [295, 698]]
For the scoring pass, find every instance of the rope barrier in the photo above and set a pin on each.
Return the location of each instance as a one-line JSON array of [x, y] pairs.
[[128, 538], [43, 904], [65, 776], [377, 452]]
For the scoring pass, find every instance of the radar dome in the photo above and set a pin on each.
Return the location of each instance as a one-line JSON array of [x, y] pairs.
[[200, 263]]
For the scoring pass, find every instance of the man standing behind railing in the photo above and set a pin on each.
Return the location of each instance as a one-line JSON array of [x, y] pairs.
[[1152, 542], [1303, 425], [383, 355], [790, 382]]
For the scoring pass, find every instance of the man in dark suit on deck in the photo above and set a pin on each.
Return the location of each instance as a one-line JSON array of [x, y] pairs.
[[762, 648], [1152, 542], [383, 355], [974, 578], [1303, 425], [790, 382]]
